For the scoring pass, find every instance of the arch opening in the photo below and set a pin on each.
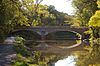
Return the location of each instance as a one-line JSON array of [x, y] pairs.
[[63, 35], [26, 34]]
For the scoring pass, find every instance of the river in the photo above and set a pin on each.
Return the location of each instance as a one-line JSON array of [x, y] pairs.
[[61, 51], [58, 52]]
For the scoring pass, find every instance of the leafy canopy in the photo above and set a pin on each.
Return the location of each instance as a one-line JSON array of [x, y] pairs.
[[95, 19]]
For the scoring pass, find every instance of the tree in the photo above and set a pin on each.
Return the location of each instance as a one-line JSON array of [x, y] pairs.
[[92, 57], [11, 15], [84, 10], [8, 12], [94, 22]]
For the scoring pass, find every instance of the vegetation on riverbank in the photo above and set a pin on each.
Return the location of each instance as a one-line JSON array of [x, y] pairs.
[[92, 56]]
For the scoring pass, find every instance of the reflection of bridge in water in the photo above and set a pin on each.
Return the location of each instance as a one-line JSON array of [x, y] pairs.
[[63, 44], [45, 30], [60, 48]]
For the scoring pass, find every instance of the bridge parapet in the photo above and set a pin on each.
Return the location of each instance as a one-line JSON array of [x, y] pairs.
[[37, 27]]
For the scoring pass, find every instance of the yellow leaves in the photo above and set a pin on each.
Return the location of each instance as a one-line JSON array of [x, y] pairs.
[[17, 14], [33, 65], [43, 10], [94, 65], [35, 23], [95, 20], [75, 22], [23, 20], [88, 32], [98, 2]]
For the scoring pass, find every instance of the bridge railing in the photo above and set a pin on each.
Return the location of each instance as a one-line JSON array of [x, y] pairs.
[[50, 28], [56, 27], [36, 27]]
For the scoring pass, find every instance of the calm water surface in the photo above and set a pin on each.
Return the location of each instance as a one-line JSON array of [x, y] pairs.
[[64, 50]]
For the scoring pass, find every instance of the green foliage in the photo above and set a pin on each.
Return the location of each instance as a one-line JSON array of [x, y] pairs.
[[95, 20], [19, 40], [20, 48], [94, 23], [75, 22], [10, 16], [21, 61], [23, 55], [8, 11], [84, 10], [92, 57], [35, 13]]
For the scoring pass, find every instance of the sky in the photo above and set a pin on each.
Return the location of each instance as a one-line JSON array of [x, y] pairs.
[[61, 5], [69, 61]]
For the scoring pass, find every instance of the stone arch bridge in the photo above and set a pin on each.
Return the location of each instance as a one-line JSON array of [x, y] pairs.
[[44, 30]]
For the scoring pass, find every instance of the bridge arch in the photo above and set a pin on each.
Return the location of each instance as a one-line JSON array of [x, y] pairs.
[[27, 34], [63, 35]]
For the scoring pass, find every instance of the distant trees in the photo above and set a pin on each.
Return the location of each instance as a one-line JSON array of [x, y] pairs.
[[61, 19]]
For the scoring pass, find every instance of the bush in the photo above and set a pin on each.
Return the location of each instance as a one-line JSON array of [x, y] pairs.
[[20, 47], [23, 55]]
